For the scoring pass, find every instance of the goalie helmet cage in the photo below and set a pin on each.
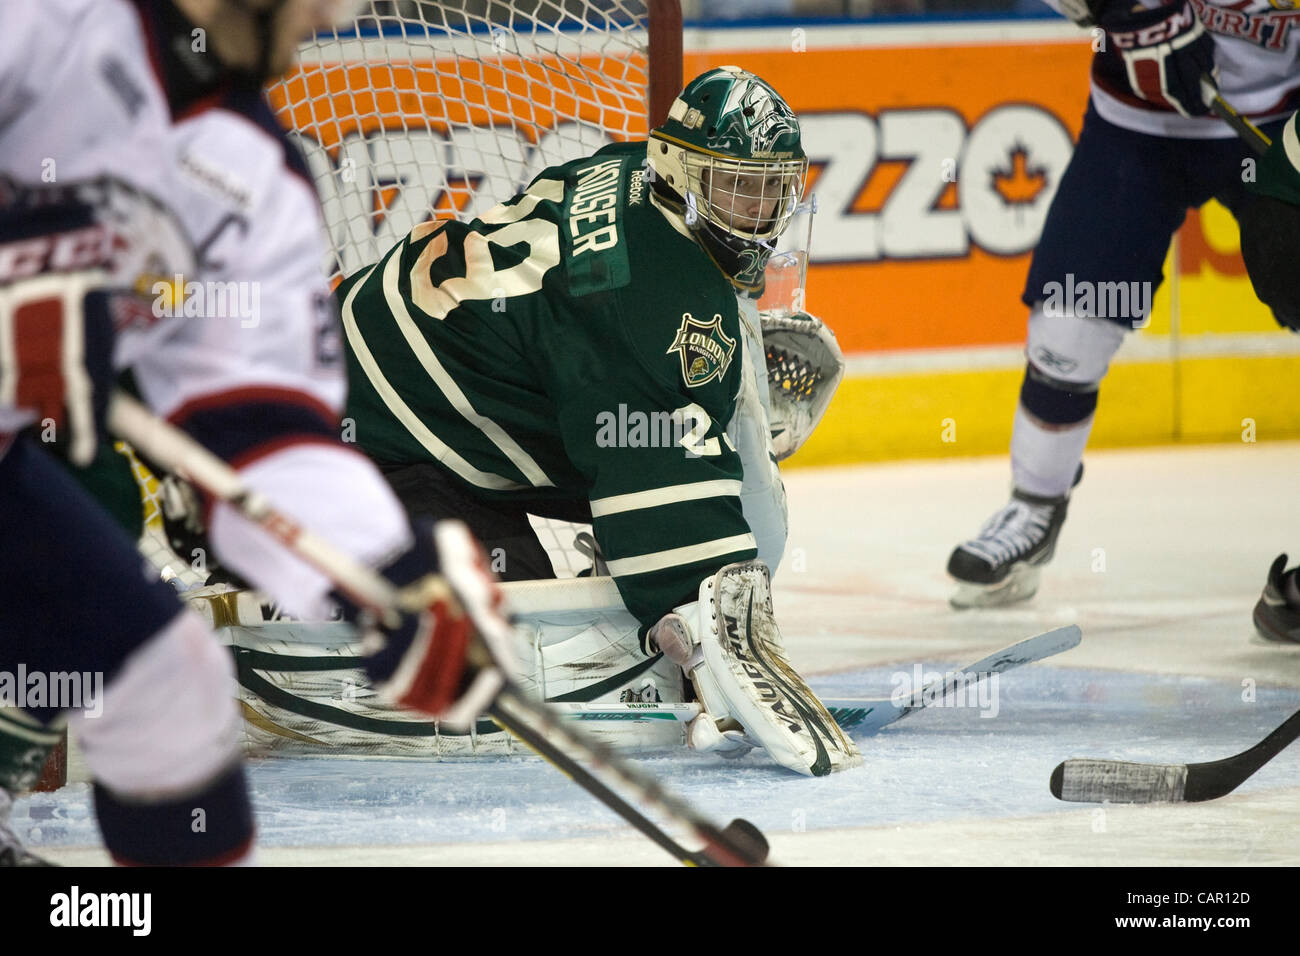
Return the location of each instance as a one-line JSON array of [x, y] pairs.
[[425, 110]]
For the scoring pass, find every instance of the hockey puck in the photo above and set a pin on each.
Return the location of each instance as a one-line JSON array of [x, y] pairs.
[[747, 837], [1058, 778]]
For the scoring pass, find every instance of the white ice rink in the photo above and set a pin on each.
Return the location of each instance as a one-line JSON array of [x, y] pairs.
[[1161, 560]]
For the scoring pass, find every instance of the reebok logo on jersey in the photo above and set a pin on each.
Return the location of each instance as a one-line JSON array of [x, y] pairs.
[[704, 349], [636, 187]]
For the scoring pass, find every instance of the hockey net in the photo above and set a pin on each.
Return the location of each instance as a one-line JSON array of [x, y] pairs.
[[424, 110]]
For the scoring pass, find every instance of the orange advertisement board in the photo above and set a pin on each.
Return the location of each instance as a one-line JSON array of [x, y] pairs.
[[902, 257], [933, 169], [933, 162]]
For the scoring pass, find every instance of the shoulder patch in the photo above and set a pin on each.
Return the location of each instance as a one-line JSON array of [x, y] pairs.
[[704, 349]]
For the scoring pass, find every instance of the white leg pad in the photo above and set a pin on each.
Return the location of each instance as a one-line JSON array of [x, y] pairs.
[[573, 637], [746, 677]]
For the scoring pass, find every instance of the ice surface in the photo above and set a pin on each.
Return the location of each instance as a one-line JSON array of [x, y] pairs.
[[1161, 560]]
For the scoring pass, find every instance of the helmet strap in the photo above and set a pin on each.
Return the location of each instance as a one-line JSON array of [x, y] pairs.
[[692, 211]]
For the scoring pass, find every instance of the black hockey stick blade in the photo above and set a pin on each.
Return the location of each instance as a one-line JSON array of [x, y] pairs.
[[1087, 780], [740, 843]]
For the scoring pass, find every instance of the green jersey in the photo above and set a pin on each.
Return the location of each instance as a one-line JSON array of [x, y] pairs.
[[573, 343]]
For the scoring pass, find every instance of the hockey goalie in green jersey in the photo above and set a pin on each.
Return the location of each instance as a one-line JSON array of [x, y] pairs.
[[591, 350]]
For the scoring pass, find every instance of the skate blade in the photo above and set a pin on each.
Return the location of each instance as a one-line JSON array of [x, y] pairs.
[[1020, 584]]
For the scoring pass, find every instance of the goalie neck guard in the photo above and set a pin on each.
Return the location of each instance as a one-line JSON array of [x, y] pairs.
[[729, 162]]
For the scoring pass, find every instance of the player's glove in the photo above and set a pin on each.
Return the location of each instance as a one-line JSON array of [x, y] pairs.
[[76, 264], [1166, 51], [1270, 227], [56, 333], [449, 652]]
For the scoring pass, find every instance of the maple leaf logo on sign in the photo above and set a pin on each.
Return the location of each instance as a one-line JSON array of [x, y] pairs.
[[704, 349], [1019, 182]]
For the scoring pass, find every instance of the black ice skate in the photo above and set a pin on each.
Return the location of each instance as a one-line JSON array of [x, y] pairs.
[[1002, 563], [1277, 613]]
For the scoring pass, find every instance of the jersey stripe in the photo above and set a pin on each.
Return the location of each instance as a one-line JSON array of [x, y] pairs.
[[1291, 143], [669, 494], [400, 410], [450, 390], [658, 560]]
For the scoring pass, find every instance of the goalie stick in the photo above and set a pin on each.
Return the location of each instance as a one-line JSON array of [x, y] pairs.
[[739, 844], [1088, 780], [869, 716], [864, 714]]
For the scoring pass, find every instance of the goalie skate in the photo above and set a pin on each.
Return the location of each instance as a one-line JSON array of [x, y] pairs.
[[1002, 564]]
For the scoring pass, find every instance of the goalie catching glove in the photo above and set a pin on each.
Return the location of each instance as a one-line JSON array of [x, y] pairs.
[[448, 651], [804, 367], [729, 644]]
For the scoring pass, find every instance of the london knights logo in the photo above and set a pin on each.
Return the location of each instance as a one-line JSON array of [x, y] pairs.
[[705, 350]]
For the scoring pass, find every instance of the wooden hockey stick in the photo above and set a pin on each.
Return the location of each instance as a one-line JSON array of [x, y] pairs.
[[1087, 780], [1254, 137], [738, 844]]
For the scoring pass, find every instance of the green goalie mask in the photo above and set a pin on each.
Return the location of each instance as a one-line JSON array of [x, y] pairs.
[[730, 162]]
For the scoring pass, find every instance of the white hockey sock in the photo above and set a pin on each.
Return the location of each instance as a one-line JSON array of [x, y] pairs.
[[1066, 351], [1045, 458]]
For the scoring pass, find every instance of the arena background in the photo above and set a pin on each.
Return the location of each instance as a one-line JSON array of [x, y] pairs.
[[920, 277]]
